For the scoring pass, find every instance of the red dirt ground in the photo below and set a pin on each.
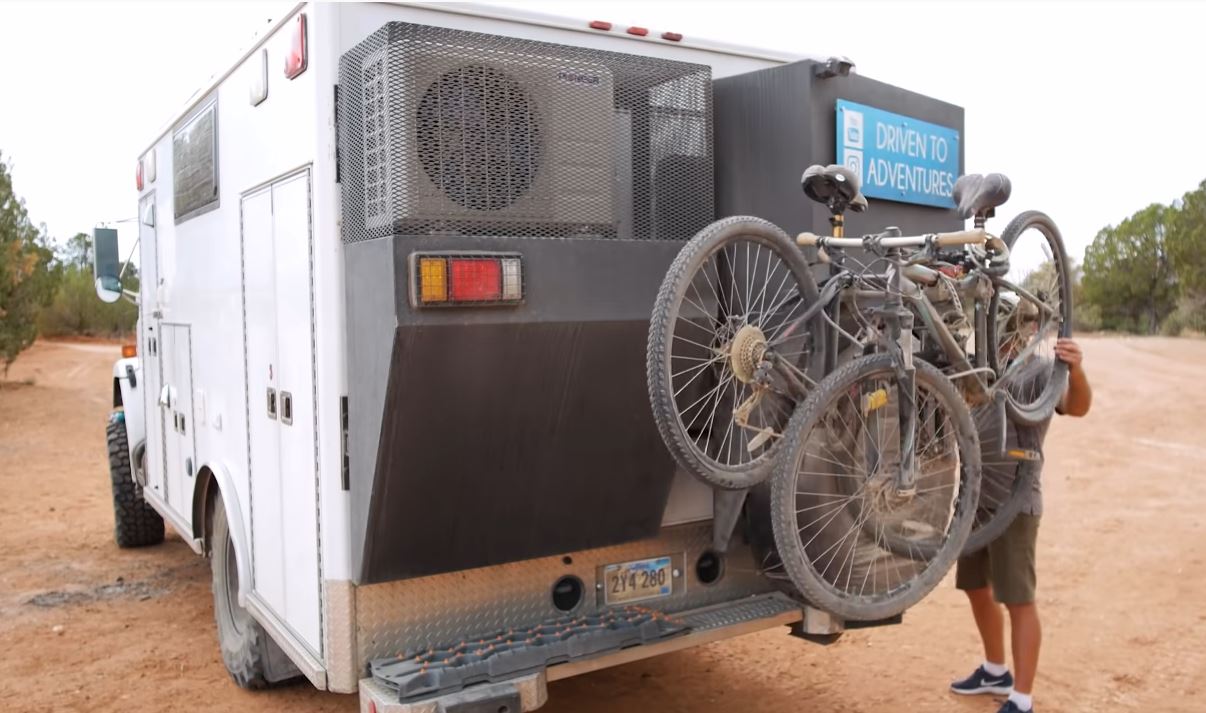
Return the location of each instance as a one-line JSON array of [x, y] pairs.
[[87, 627]]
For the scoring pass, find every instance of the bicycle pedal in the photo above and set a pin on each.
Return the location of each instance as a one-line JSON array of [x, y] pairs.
[[760, 440], [1027, 454]]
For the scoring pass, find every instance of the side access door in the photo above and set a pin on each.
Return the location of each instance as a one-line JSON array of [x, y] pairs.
[[279, 333], [149, 349]]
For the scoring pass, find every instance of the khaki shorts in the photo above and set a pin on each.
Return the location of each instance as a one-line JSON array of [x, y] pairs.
[[1007, 564]]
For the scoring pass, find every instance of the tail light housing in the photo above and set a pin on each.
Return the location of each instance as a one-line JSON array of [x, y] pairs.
[[466, 279]]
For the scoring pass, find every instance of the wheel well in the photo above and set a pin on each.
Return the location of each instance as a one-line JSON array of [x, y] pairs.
[[204, 495]]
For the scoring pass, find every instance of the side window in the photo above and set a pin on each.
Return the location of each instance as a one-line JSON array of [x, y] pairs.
[[195, 164]]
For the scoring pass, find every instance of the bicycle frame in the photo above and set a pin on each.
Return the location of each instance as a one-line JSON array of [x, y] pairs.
[[897, 304]]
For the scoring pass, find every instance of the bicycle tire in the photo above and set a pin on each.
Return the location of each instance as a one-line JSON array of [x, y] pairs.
[[1005, 484], [797, 556], [1034, 411], [694, 257]]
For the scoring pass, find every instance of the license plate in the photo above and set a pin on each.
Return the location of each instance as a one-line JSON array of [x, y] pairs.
[[637, 581]]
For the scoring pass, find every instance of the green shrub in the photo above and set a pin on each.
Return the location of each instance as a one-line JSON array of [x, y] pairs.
[[76, 310]]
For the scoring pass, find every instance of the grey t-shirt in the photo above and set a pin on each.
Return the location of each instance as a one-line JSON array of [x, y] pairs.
[[1032, 380]]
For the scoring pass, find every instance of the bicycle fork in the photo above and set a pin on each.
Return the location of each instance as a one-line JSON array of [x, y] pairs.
[[899, 321]]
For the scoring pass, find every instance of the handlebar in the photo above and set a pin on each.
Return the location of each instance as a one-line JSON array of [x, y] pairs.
[[979, 236]]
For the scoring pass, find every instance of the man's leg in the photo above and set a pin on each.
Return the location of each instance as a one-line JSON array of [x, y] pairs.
[[1012, 563], [971, 575], [990, 623], [1026, 637]]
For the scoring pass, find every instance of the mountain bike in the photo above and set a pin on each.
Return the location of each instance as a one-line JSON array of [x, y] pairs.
[[877, 474]]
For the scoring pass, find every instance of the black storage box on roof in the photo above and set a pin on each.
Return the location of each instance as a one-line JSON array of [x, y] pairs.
[[773, 123]]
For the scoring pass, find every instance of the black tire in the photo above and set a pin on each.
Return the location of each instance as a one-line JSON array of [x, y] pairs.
[[690, 445], [1005, 484], [1032, 409], [252, 658], [916, 575], [135, 523]]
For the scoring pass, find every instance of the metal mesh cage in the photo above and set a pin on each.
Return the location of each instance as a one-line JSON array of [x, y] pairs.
[[447, 131]]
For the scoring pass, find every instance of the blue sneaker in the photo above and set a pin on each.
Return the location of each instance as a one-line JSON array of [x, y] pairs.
[[983, 682], [1011, 707]]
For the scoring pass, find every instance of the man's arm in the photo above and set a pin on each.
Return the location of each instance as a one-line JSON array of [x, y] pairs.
[[1078, 397]]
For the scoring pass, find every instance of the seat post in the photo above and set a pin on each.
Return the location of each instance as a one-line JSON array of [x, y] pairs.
[[838, 221]]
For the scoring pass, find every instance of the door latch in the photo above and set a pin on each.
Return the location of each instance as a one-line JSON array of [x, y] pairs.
[[271, 403]]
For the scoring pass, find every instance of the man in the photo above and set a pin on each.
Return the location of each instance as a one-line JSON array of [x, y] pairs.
[[1004, 573]]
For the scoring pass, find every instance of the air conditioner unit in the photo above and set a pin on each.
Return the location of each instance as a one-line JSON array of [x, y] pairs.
[[454, 133]]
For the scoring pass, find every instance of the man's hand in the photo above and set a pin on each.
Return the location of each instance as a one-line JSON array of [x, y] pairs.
[[1068, 351], [1079, 396]]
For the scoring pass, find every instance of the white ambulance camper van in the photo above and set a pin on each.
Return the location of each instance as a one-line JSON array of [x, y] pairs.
[[397, 266]]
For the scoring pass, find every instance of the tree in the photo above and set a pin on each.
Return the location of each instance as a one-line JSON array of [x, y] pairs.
[[27, 279], [77, 252], [1128, 273], [1187, 241], [75, 309]]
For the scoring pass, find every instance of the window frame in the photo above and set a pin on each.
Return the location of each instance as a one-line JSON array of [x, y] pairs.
[[196, 115]]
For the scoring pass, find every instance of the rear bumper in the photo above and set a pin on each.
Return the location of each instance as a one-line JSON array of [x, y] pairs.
[[529, 692]]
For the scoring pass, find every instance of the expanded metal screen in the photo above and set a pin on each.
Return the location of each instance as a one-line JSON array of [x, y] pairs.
[[462, 132]]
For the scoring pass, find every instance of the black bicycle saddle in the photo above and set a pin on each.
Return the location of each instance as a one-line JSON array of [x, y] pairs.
[[835, 186], [978, 195]]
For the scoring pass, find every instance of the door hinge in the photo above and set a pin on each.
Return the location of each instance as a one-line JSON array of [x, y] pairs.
[[345, 473]]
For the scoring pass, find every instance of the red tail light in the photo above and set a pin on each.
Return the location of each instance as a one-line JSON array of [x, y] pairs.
[[138, 175], [475, 280]]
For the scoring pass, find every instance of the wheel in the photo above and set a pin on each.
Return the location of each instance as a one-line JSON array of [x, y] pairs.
[[135, 523], [252, 658], [1005, 483], [1037, 263], [849, 541], [725, 306]]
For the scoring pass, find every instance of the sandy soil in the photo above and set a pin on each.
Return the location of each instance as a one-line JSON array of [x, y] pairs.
[[86, 627]]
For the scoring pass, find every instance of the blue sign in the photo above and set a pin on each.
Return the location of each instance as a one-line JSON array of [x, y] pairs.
[[898, 158]]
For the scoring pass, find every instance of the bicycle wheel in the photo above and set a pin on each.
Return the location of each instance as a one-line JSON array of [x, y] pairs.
[[1005, 482], [850, 543], [1021, 331], [729, 298]]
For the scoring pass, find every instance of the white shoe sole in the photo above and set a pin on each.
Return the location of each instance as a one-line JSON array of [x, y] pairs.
[[996, 690]]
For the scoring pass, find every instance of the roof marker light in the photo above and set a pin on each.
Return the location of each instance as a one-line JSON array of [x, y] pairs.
[[600, 25], [672, 37], [638, 31], [295, 61]]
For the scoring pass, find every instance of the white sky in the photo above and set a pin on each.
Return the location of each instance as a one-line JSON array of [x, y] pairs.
[[1095, 110]]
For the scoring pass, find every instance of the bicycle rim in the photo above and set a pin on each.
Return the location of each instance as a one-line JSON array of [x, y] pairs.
[[726, 301], [1023, 331], [850, 543]]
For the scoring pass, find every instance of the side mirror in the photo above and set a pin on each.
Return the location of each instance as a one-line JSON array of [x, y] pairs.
[[106, 264]]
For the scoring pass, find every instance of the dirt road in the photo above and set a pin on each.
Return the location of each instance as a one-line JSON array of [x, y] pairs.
[[1122, 576]]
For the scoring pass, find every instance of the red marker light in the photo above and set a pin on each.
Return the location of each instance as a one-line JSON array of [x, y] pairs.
[[600, 25], [138, 175], [295, 61], [672, 36], [638, 31]]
